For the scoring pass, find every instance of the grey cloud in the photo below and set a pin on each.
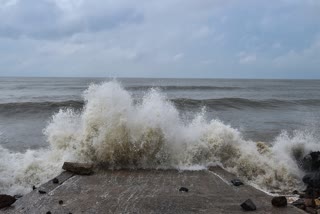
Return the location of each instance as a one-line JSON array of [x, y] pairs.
[[44, 19]]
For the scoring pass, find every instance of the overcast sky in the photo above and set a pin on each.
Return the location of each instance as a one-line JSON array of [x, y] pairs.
[[160, 38]]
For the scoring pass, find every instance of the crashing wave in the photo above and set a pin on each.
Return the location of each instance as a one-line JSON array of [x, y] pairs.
[[117, 132]]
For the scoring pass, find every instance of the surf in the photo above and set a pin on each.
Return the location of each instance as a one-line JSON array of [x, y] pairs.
[[114, 130]]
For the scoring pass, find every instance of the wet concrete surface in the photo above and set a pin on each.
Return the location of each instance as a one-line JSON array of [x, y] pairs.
[[145, 191]]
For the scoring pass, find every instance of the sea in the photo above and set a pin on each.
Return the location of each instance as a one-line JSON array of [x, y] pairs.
[[258, 129]]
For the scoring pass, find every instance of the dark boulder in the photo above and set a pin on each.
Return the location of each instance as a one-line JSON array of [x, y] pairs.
[[55, 181], [183, 189], [60, 202], [311, 162], [6, 201], [312, 179], [248, 205], [295, 192], [42, 191], [279, 201], [78, 168], [236, 182]]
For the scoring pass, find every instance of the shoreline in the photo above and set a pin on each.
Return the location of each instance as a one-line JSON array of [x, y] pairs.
[[145, 191]]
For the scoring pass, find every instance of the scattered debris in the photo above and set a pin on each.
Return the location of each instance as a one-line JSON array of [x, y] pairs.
[[42, 191], [236, 182], [6, 200], [78, 168], [55, 180], [279, 201], [248, 205], [183, 189]]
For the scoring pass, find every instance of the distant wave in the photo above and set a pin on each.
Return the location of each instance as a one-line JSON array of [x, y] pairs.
[[35, 107], [174, 87], [241, 103], [222, 103]]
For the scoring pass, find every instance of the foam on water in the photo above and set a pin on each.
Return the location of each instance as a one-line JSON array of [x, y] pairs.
[[111, 129]]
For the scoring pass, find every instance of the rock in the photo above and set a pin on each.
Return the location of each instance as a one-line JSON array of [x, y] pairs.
[[248, 205], [48, 212], [42, 191], [34, 187], [312, 179], [183, 189], [311, 162], [236, 182], [55, 181], [6, 201], [295, 192], [279, 201], [309, 202], [78, 168], [60, 202]]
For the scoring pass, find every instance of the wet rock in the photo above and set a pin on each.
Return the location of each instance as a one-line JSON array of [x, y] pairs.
[[184, 189], [295, 192], [248, 205], [55, 180], [6, 201], [60, 202], [311, 162], [312, 179], [42, 191], [78, 168], [309, 202], [279, 201], [236, 182]]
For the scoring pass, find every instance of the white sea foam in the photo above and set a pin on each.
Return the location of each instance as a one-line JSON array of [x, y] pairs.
[[111, 129]]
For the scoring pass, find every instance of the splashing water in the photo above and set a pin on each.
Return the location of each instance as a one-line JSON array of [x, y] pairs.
[[112, 130]]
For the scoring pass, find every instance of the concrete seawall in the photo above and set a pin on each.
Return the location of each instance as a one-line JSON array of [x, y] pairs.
[[144, 191]]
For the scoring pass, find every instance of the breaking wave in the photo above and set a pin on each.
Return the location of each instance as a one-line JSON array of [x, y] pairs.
[[117, 132]]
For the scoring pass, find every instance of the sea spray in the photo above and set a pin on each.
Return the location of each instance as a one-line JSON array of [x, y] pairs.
[[114, 130]]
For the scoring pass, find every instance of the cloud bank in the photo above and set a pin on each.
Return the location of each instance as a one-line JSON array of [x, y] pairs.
[[169, 38]]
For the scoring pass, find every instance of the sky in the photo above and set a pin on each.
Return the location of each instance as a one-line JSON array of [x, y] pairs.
[[167, 38]]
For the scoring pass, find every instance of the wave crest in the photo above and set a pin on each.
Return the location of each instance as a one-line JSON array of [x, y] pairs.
[[114, 131]]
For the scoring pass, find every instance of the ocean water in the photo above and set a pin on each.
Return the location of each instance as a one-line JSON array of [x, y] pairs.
[[258, 129]]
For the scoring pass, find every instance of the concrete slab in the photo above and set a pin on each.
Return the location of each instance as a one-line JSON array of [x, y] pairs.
[[145, 191]]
